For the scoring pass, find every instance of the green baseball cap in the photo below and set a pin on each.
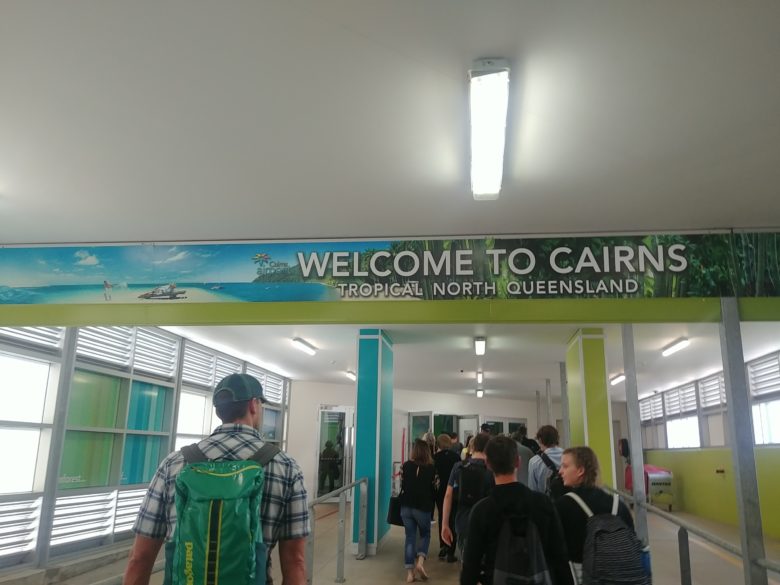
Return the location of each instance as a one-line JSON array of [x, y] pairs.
[[238, 388]]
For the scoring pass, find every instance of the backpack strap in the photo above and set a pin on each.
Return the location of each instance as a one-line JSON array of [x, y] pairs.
[[265, 453], [615, 502], [547, 461], [581, 503], [193, 454]]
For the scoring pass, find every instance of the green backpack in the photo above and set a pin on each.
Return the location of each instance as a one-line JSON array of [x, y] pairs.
[[218, 536]]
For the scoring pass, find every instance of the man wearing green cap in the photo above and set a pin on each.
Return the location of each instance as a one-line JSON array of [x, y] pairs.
[[284, 513]]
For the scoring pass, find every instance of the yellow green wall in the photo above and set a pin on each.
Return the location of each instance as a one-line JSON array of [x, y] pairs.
[[575, 391], [599, 419], [701, 491]]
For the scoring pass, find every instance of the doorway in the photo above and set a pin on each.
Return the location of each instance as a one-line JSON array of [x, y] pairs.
[[335, 449]]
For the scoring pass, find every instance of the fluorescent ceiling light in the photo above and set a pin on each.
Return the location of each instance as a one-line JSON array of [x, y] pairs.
[[617, 379], [304, 346], [480, 393], [351, 375], [488, 99], [681, 343], [479, 345], [479, 377]]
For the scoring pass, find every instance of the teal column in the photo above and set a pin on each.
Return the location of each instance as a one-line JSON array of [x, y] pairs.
[[374, 431]]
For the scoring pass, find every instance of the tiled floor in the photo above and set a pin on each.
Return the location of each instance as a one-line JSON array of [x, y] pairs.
[[710, 566]]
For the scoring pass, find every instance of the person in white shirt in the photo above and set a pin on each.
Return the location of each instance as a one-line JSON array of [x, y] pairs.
[[539, 472]]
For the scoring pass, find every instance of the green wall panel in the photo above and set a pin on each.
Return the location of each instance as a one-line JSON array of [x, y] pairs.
[[94, 400], [703, 492], [575, 389], [150, 407], [597, 404], [86, 459]]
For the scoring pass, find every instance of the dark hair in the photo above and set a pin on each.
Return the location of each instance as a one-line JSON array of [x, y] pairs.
[[453, 435], [501, 453], [547, 436], [231, 411], [522, 429], [421, 452], [480, 442], [586, 458]]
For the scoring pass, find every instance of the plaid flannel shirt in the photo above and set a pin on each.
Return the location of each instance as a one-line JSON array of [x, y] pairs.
[[284, 511]]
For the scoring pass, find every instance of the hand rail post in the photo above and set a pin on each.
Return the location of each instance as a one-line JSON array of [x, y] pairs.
[[685, 556], [363, 520], [310, 549], [340, 540]]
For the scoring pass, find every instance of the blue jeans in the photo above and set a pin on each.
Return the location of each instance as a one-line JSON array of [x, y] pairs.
[[415, 520]]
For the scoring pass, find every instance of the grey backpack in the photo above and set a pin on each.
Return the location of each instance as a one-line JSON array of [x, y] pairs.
[[612, 554], [520, 557]]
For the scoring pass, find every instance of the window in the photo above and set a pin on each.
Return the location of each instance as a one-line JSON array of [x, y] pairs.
[[766, 422], [195, 416], [22, 376], [683, 433], [19, 453]]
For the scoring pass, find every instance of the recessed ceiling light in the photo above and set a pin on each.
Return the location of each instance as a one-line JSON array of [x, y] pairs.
[[480, 345], [480, 393], [676, 346], [304, 346], [480, 376], [617, 379], [351, 375]]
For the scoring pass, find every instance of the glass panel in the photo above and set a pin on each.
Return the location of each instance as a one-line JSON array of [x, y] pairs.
[[421, 424], [331, 449], [18, 377], [270, 420], [766, 422], [94, 400], [444, 423], [18, 452], [141, 457], [496, 427], [192, 409], [149, 407], [683, 432], [86, 459], [182, 440]]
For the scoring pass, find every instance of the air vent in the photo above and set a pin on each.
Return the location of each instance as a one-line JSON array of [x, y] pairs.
[[48, 337], [672, 401], [127, 506], [111, 345], [712, 391], [198, 366], [82, 517], [273, 385], [226, 366], [19, 526], [764, 375], [155, 353], [688, 398]]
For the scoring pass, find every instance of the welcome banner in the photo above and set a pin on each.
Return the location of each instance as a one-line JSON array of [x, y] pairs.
[[652, 266]]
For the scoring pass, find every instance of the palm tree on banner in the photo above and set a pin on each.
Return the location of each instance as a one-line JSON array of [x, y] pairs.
[[261, 260]]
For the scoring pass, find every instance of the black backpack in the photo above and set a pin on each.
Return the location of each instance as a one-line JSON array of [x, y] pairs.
[[555, 488], [472, 486], [520, 557], [612, 553]]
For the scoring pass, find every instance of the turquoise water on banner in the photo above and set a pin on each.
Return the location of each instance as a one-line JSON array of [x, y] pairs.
[[196, 292]]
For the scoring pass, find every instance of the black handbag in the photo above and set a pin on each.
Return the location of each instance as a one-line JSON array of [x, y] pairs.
[[394, 511]]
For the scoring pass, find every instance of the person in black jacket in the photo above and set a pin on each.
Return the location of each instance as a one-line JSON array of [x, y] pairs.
[[509, 498], [417, 498], [444, 460], [579, 471]]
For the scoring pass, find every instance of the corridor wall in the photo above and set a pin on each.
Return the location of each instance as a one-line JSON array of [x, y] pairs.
[[701, 490]]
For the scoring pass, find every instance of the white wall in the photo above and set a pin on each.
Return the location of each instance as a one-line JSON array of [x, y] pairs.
[[302, 440]]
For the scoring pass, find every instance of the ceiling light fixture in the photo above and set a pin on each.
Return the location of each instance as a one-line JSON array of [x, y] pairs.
[[617, 379], [351, 375], [489, 100], [480, 393], [480, 376], [304, 346], [480, 344], [676, 346]]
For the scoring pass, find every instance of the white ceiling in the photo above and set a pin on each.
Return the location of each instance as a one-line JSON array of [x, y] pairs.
[[256, 119], [259, 119], [519, 359]]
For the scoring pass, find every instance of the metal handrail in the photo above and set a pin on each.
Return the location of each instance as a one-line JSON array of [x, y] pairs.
[[682, 536], [362, 534]]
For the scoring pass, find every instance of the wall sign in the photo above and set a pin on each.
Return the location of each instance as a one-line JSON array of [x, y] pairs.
[[662, 266]]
